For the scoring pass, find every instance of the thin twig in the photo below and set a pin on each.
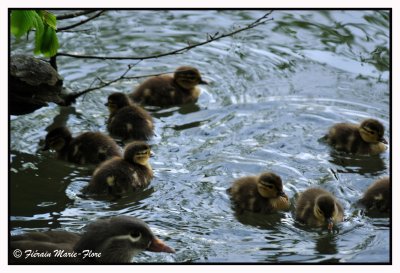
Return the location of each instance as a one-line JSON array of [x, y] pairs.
[[211, 38], [78, 31], [146, 76], [73, 14], [71, 98], [94, 80], [81, 22]]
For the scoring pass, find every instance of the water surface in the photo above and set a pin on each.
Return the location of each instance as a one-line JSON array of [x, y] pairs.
[[274, 91]]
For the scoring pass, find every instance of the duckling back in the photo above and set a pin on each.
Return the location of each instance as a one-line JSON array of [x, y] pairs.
[[306, 207], [157, 91], [245, 195], [347, 137], [92, 147], [169, 90], [86, 148], [378, 196], [117, 176], [131, 122]]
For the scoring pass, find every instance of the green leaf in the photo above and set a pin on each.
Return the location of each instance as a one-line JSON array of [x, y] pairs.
[[48, 18], [49, 44], [45, 43], [22, 21], [45, 25], [38, 35], [54, 45]]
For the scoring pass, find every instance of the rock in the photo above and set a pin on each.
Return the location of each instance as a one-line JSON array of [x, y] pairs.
[[33, 83]]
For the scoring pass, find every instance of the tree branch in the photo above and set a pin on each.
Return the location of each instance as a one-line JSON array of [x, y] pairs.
[[71, 98], [73, 14], [87, 30], [210, 38], [81, 22], [146, 76]]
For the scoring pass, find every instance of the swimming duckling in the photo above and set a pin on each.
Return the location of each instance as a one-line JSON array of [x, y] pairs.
[[317, 207], [87, 148], [378, 196], [127, 120], [263, 193], [118, 175], [366, 138], [166, 90], [113, 240]]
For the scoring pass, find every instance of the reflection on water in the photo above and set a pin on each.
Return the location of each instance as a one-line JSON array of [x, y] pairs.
[[326, 245], [373, 165], [259, 220], [274, 91]]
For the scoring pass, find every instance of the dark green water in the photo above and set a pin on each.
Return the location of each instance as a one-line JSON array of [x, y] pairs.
[[274, 91]]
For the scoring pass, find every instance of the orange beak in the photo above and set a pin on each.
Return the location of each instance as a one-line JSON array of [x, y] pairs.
[[330, 224], [203, 82], [159, 246]]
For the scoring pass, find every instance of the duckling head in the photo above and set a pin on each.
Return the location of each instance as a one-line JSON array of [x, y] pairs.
[[138, 152], [120, 238], [269, 185], [116, 101], [325, 210], [372, 131], [57, 139], [188, 77]]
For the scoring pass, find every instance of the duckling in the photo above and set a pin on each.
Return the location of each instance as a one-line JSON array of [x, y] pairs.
[[118, 175], [378, 196], [317, 207], [113, 240], [87, 148], [127, 120], [166, 90], [366, 138], [263, 193]]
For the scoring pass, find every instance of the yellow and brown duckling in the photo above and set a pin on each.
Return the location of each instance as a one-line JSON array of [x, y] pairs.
[[86, 148], [378, 196], [263, 193], [119, 175], [166, 90], [127, 120], [317, 207], [112, 240], [366, 138]]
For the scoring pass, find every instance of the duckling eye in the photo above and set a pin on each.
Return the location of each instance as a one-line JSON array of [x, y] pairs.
[[369, 131], [270, 187], [135, 234]]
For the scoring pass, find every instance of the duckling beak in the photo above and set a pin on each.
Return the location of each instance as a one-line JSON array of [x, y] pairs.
[[157, 245], [383, 140], [106, 104], [330, 224], [203, 82]]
